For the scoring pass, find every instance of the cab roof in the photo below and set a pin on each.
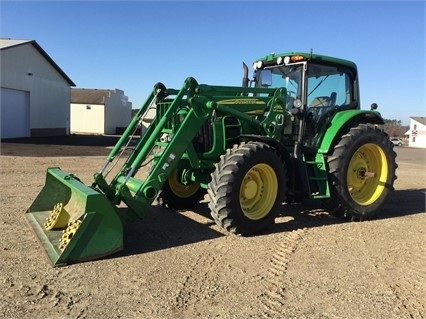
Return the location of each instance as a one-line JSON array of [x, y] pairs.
[[303, 56]]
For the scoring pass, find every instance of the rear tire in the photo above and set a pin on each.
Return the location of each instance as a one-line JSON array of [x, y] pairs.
[[247, 188], [175, 195], [361, 173]]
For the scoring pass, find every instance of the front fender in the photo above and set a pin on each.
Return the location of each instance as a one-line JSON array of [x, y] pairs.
[[343, 119]]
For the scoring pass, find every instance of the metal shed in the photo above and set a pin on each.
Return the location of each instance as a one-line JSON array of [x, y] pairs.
[[35, 92]]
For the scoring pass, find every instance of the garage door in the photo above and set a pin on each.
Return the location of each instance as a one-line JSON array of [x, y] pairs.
[[14, 113]]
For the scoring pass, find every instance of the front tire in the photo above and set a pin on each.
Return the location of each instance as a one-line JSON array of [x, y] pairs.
[[361, 173], [247, 188]]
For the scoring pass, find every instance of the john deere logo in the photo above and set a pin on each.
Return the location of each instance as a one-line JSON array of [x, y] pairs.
[[241, 101]]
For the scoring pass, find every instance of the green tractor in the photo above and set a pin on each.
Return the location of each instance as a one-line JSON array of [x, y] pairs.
[[295, 131]]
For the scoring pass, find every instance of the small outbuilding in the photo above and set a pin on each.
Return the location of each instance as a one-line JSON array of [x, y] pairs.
[[417, 132], [35, 92], [95, 111]]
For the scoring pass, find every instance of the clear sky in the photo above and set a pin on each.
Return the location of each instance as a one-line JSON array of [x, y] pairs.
[[131, 45]]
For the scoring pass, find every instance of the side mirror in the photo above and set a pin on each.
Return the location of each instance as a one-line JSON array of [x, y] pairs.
[[374, 106], [265, 78]]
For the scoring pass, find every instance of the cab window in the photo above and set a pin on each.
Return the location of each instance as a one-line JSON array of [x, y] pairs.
[[328, 86]]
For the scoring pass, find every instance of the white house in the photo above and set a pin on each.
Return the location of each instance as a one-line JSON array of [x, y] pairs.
[[417, 132], [96, 111], [35, 92]]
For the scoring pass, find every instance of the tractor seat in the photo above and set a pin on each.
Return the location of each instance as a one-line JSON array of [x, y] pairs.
[[321, 105], [320, 101]]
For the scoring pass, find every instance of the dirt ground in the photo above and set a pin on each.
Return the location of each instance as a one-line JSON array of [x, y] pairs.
[[181, 265]]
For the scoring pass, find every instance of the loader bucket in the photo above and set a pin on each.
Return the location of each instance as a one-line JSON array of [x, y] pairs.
[[74, 222]]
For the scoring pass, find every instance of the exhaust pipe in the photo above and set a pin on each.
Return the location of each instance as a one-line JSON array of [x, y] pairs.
[[245, 75]]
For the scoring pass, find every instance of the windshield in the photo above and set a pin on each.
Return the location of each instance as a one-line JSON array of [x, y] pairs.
[[287, 76], [326, 85]]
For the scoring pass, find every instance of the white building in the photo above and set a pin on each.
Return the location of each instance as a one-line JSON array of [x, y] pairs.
[[35, 92], [417, 132], [99, 111]]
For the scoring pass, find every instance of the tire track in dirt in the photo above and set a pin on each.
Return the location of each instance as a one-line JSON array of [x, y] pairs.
[[273, 299]]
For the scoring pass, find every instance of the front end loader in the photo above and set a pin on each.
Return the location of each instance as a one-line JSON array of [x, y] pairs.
[[293, 132], [73, 221]]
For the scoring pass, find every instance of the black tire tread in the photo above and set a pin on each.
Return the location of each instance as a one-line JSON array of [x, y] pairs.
[[221, 185], [339, 204]]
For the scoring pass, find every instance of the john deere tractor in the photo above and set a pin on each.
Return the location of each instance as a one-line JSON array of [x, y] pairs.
[[294, 131]]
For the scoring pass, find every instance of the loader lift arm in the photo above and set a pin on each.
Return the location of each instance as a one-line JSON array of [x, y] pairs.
[[136, 194]]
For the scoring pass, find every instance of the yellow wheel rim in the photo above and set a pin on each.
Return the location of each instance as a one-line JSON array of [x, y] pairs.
[[367, 174], [179, 189], [258, 191]]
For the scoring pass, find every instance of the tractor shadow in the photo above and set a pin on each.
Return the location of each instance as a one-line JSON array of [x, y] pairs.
[[165, 229], [404, 202], [311, 214]]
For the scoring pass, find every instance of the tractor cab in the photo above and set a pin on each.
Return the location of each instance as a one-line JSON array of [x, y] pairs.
[[317, 88]]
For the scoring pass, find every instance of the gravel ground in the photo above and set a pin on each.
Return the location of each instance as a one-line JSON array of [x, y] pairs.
[[181, 265]]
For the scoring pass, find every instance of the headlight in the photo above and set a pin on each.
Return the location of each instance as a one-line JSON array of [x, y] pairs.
[[257, 65], [286, 60], [297, 103]]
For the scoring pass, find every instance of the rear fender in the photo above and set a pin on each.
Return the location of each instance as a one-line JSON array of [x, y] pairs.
[[343, 120]]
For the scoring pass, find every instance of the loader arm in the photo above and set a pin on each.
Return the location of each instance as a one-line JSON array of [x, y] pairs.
[[138, 194]]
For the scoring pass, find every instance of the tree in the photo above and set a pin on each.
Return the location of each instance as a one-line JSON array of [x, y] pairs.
[[394, 128]]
